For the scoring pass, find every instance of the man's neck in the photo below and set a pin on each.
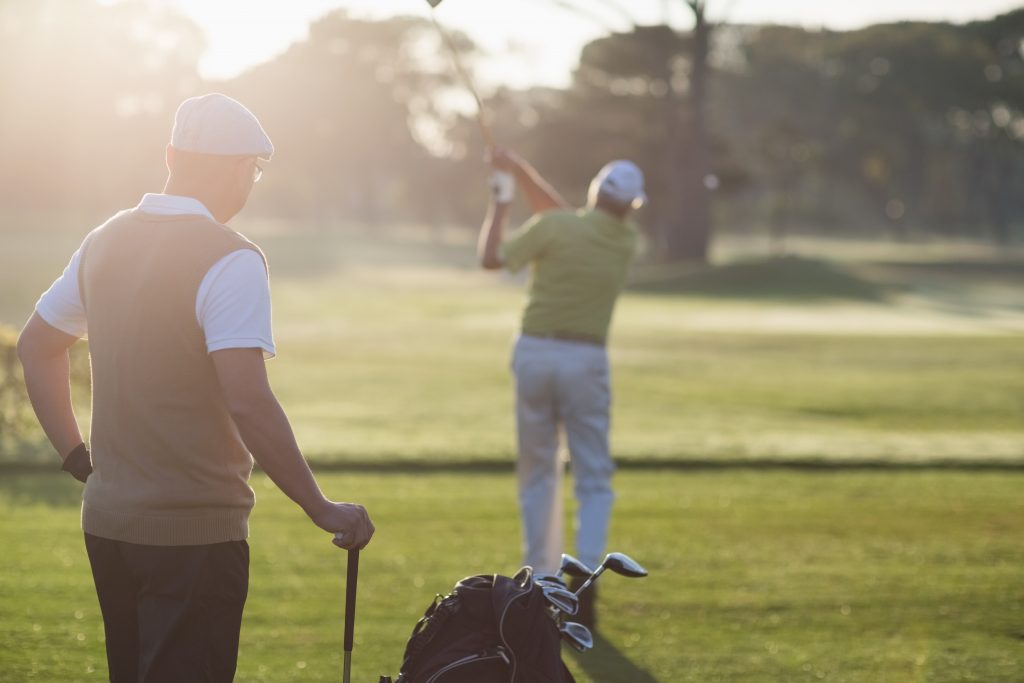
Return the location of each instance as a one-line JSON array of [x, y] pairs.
[[617, 212], [206, 198]]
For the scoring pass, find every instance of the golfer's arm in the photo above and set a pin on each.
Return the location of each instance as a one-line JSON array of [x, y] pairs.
[[540, 194], [43, 352], [490, 236], [264, 427]]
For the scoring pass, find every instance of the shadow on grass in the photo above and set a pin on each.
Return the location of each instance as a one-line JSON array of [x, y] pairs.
[[46, 474], [486, 466], [789, 278], [35, 483], [994, 268], [606, 664]]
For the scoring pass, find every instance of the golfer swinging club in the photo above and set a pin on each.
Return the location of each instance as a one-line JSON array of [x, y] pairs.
[[579, 264], [177, 310]]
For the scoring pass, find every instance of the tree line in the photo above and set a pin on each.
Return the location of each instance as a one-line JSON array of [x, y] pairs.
[[895, 130]]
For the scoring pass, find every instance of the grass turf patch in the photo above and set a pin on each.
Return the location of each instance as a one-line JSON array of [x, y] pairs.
[[427, 379], [397, 350], [755, 576]]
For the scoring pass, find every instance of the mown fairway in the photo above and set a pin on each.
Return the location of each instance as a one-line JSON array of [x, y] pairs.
[[394, 354], [755, 576], [397, 350]]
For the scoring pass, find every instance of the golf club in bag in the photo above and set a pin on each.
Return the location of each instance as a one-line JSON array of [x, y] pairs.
[[493, 628]]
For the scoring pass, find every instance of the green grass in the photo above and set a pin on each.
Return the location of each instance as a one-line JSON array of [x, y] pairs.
[[755, 576], [397, 350], [433, 386], [374, 368]]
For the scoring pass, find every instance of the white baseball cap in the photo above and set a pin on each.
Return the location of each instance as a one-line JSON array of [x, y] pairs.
[[621, 181], [217, 124]]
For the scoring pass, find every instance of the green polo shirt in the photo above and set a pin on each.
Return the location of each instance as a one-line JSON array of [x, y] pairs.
[[580, 260]]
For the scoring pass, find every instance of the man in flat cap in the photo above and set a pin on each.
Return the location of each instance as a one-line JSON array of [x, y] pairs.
[[579, 260], [176, 307]]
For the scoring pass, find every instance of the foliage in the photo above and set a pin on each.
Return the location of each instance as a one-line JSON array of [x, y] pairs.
[[896, 129], [19, 432], [89, 92], [914, 126], [355, 155], [12, 397]]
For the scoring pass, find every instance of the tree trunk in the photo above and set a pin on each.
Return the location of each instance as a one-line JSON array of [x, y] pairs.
[[670, 207], [688, 235]]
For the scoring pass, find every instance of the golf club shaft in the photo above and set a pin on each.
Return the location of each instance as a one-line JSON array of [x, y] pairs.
[[350, 610], [592, 579], [485, 128]]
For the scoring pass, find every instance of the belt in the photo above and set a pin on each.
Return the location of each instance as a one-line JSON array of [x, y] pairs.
[[569, 337]]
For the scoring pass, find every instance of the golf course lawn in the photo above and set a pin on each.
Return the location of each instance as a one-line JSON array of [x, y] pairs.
[[822, 469], [396, 350], [755, 575]]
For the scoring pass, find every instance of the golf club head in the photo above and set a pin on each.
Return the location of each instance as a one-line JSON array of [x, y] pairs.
[[548, 579], [562, 598], [573, 567], [624, 565], [577, 635]]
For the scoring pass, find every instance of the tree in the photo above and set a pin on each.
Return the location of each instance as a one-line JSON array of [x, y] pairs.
[[688, 236], [683, 224], [909, 126], [88, 95], [342, 108]]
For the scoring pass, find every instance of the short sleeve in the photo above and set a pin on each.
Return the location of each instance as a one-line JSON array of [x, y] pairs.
[[61, 305], [233, 304], [527, 243]]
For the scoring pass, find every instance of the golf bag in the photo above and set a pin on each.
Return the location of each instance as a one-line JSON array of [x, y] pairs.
[[490, 628]]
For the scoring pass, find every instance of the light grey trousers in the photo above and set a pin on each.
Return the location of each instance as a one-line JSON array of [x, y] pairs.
[[562, 385]]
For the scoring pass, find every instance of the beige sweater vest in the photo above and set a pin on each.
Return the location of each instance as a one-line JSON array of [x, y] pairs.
[[169, 465]]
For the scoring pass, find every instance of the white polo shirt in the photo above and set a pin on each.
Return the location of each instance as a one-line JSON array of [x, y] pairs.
[[232, 304]]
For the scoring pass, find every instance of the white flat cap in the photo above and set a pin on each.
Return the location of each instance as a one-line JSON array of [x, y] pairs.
[[217, 124]]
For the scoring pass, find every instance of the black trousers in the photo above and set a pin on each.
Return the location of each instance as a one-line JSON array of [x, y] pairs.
[[170, 613]]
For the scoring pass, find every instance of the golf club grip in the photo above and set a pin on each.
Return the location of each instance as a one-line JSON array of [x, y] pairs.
[[350, 597]]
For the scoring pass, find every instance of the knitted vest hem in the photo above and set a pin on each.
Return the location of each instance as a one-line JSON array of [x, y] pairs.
[[203, 528]]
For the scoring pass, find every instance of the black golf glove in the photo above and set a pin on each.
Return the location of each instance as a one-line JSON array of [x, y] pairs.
[[78, 463]]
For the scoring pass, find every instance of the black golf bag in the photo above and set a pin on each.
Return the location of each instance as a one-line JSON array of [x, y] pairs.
[[490, 628]]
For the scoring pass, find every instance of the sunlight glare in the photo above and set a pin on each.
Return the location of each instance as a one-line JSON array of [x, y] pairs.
[[526, 42]]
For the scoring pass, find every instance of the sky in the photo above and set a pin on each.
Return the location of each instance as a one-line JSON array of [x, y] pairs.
[[531, 41]]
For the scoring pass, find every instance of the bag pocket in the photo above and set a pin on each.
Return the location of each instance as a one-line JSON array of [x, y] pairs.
[[481, 668]]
